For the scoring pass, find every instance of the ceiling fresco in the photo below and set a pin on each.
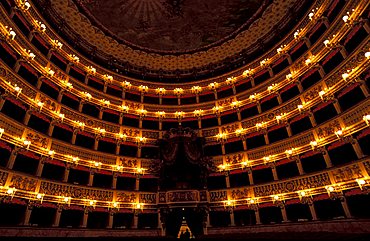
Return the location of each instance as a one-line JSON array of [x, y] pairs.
[[173, 25]]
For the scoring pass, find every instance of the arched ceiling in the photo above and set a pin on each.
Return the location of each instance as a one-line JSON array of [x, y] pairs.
[[170, 40], [173, 25]]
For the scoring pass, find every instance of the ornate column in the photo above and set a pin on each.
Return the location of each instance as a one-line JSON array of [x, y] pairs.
[[288, 129], [58, 213], [232, 217], [255, 208], [326, 156], [27, 117], [356, 147], [13, 156], [27, 214], [85, 217], [111, 218], [309, 201], [312, 118], [272, 165], [91, 178], [60, 96], [114, 180], [265, 135], [250, 176], [40, 166], [280, 100], [336, 105], [2, 100], [299, 165], [66, 173], [281, 204], [364, 88]]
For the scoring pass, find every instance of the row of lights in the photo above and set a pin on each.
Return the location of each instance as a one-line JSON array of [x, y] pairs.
[[195, 89], [11, 192], [294, 151], [72, 159], [336, 188], [224, 167], [179, 91]]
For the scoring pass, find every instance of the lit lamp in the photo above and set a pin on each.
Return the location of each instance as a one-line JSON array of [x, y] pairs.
[[161, 114], [74, 58], [40, 26], [244, 164], [235, 104], [65, 200], [51, 154], [338, 133], [196, 89], [126, 85], [142, 112], [361, 182], [91, 70], [27, 144], [264, 62], [10, 192], [300, 108], [140, 141], [289, 153], [114, 205], [321, 94], [57, 44], [280, 118], [229, 204], [143, 89], [198, 113], [91, 203], [87, 96], [160, 91], [124, 108], [213, 86], [137, 208], [289, 76], [345, 75], [17, 89], [221, 137], [230, 80], [23, 4], [40, 105], [11, 34], [178, 91], [108, 78], [253, 97], [105, 102], [29, 55], [313, 144], [247, 73], [1, 132], [271, 88], [367, 55], [179, 115], [217, 110], [49, 71], [366, 118], [260, 125], [39, 197]]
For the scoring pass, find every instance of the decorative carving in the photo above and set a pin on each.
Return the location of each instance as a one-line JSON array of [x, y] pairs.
[[216, 196], [241, 193], [347, 173], [23, 183], [328, 129], [149, 198], [128, 197], [75, 192], [313, 181], [36, 139], [3, 177]]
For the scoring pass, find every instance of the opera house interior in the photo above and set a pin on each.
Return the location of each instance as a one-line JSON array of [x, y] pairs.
[[205, 119]]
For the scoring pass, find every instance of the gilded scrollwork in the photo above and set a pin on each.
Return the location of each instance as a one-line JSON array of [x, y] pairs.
[[328, 129], [3, 177], [216, 196], [313, 181], [23, 183], [127, 197], [37, 139], [347, 173], [75, 191], [148, 198]]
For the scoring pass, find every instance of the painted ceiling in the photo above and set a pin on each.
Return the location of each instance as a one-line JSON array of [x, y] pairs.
[[172, 25]]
